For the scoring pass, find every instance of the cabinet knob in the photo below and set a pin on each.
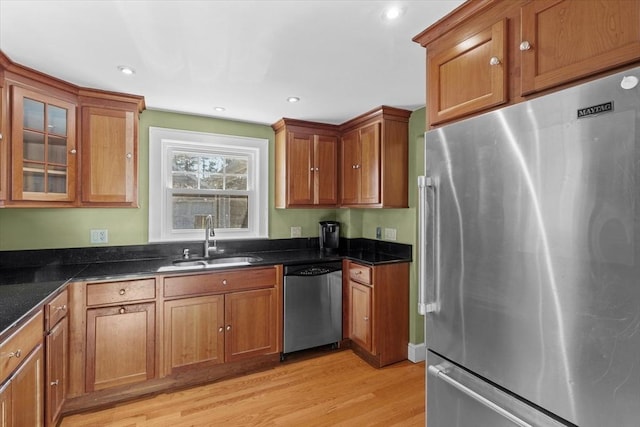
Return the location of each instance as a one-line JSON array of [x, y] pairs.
[[494, 60], [0, 136], [73, 151], [366, 319], [224, 281], [15, 354], [61, 307], [220, 329], [122, 291], [525, 45], [122, 310], [228, 327], [129, 155], [56, 382]]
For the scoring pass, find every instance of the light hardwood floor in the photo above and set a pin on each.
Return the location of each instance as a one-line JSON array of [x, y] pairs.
[[333, 389]]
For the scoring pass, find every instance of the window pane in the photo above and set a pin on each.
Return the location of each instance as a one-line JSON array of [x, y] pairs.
[[236, 182], [212, 164], [185, 163], [189, 211], [236, 165]]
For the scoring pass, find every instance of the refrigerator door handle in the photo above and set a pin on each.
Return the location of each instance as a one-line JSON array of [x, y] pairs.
[[440, 372], [424, 306]]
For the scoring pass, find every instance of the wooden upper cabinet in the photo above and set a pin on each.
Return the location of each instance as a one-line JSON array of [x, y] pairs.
[[469, 76], [374, 160], [109, 156], [564, 40], [62, 145], [306, 164], [43, 135], [488, 53]]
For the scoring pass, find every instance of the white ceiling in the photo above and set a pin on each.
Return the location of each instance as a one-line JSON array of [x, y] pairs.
[[340, 57]]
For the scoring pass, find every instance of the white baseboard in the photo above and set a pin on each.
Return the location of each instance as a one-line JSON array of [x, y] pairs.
[[417, 352]]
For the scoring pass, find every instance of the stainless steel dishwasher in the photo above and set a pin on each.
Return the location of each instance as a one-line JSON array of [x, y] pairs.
[[312, 305]]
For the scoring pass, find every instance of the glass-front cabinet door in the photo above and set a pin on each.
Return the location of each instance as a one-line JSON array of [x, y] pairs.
[[43, 147]]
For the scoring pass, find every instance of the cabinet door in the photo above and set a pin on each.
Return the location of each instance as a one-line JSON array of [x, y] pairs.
[[350, 167], [120, 345], [56, 375], [194, 332], [43, 147], [360, 314], [469, 76], [369, 164], [300, 171], [326, 170], [251, 322], [570, 39], [109, 156], [27, 392], [5, 404]]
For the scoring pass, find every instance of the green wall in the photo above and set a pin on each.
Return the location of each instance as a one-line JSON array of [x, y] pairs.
[[69, 227]]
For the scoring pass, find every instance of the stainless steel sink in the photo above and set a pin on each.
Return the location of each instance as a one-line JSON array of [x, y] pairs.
[[207, 263]]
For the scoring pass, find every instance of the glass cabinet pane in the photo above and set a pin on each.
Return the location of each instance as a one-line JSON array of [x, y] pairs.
[[33, 146], [33, 177], [33, 114], [57, 150], [56, 120], [56, 179]]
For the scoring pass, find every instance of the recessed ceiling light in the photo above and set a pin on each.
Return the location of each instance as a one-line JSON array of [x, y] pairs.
[[392, 12], [293, 99], [220, 109], [126, 70]]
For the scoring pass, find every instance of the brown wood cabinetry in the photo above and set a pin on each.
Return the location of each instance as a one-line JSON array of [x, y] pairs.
[[64, 145], [57, 341], [22, 376], [306, 161], [488, 53], [377, 307], [239, 318], [120, 345], [374, 159], [109, 144]]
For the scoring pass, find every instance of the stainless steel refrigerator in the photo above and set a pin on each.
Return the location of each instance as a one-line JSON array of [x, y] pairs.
[[529, 262]]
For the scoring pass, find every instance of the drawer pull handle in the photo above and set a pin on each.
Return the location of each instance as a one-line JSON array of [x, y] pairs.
[[357, 273], [15, 354], [122, 310], [73, 151], [61, 307], [122, 291], [56, 382], [224, 281]]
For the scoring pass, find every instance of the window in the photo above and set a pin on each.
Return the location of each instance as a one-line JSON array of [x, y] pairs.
[[194, 174]]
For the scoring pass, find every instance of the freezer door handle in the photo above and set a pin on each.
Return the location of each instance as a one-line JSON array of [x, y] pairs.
[[424, 306], [440, 372]]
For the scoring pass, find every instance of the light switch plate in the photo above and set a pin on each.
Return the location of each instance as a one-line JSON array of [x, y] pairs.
[[390, 234], [99, 236], [296, 231]]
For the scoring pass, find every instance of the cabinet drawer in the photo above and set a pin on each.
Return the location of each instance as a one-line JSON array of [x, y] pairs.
[[17, 347], [360, 274], [230, 280], [120, 292], [56, 309]]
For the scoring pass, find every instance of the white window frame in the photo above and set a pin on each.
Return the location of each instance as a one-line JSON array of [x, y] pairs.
[[163, 141]]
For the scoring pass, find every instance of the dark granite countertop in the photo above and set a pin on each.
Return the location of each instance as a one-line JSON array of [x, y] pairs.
[[24, 288]]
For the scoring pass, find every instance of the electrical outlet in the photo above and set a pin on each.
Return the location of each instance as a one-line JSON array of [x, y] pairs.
[[99, 236], [378, 232], [390, 234], [296, 231]]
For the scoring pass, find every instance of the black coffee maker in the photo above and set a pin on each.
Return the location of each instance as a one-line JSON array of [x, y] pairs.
[[329, 236]]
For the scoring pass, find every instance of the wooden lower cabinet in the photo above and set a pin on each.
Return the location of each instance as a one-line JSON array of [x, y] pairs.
[[56, 373], [193, 332], [120, 345], [214, 329], [377, 317], [360, 310], [21, 398]]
